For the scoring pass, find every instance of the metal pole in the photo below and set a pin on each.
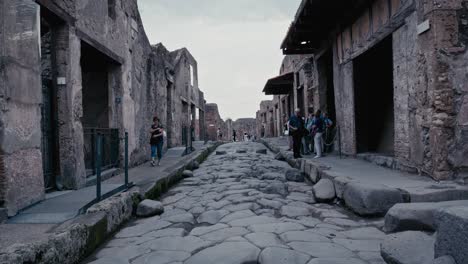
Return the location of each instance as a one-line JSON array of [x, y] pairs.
[[98, 165], [126, 159]]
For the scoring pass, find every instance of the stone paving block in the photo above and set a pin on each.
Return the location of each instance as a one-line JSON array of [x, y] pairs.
[[359, 245], [336, 261], [212, 217], [277, 228], [198, 231], [370, 200], [444, 260], [293, 211], [237, 215], [294, 175], [162, 257], [364, 233], [303, 236], [274, 255], [322, 249], [225, 233], [452, 233], [253, 220], [188, 244], [410, 247], [227, 253], [142, 228], [264, 240]]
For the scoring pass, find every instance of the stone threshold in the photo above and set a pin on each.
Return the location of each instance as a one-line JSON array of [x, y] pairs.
[[74, 240], [368, 189]]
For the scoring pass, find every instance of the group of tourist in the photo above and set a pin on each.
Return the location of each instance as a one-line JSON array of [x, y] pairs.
[[307, 132]]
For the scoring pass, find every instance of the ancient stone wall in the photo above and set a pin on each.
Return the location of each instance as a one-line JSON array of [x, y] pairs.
[[21, 177]]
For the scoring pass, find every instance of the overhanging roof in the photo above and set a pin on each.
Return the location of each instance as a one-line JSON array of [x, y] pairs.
[[315, 19], [282, 84]]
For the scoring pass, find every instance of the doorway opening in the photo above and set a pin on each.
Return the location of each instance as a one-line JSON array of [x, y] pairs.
[[96, 68], [327, 86], [374, 106], [49, 107]]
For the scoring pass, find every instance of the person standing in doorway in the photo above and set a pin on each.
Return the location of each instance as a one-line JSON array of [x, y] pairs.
[[234, 135], [220, 135], [156, 141], [296, 127], [318, 129], [308, 138], [328, 127]]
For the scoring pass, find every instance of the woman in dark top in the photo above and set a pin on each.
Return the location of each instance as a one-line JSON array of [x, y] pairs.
[[156, 141]]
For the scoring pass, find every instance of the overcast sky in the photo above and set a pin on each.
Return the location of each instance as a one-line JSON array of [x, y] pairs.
[[235, 42]]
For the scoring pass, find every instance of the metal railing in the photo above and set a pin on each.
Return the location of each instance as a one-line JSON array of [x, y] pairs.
[[110, 149], [98, 155]]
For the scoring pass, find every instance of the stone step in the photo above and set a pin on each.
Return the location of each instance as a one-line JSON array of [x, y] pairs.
[[416, 216]]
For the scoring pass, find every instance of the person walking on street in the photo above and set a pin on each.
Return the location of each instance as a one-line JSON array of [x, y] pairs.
[[318, 129], [296, 127], [156, 141]]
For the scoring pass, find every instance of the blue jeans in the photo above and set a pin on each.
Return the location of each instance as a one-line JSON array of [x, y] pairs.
[[157, 149]]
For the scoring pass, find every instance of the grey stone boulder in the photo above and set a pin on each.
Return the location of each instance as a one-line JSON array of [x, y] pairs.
[[371, 200], [148, 208], [324, 190], [221, 152], [261, 151], [187, 174], [444, 260], [410, 247], [415, 216], [452, 233], [295, 175], [279, 157]]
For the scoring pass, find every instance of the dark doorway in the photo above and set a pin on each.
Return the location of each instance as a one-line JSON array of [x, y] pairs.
[[373, 93], [49, 128], [327, 87], [95, 71], [300, 100]]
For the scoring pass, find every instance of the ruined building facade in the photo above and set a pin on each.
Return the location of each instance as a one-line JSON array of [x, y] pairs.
[[392, 73], [213, 122], [72, 69]]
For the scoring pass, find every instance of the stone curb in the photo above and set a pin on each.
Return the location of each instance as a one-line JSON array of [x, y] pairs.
[[76, 239]]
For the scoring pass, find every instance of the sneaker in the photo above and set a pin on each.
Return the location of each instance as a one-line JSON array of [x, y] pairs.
[[159, 163], [152, 164], [317, 157]]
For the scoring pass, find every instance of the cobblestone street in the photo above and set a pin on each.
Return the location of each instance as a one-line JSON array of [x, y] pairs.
[[239, 207]]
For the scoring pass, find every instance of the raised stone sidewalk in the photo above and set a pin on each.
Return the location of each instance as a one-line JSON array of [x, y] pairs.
[[44, 239], [366, 188]]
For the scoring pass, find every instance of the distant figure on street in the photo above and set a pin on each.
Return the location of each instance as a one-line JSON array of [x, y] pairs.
[[308, 139], [328, 125], [156, 141], [318, 129], [220, 134], [234, 135], [287, 132], [296, 128], [246, 137]]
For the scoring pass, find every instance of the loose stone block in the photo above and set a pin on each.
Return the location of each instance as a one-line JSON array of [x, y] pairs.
[[370, 200], [148, 208], [324, 190], [187, 174]]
